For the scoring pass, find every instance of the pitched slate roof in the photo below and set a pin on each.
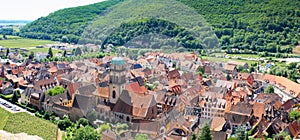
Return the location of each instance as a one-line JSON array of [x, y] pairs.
[[174, 74], [135, 104], [87, 90], [82, 102]]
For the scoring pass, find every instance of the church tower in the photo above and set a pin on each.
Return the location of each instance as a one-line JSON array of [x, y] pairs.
[[118, 70]]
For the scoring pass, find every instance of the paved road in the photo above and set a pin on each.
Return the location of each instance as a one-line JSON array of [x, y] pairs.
[[14, 108]]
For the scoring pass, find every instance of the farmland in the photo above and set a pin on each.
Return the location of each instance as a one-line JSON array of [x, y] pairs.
[[23, 43], [23, 122], [3, 117]]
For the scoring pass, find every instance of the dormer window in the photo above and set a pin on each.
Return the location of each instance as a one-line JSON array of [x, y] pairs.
[[292, 92]]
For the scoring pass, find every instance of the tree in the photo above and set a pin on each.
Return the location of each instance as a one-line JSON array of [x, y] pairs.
[[103, 128], [7, 52], [86, 133], [269, 89], [65, 39], [241, 133], [50, 53], [282, 136], [31, 55], [15, 96], [82, 122], [228, 77], [78, 51], [205, 133], [141, 136], [91, 116], [55, 91], [294, 115], [201, 70], [65, 53], [65, 123], [240, 68]]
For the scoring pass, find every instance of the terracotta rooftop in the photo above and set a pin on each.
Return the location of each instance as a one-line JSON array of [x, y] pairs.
[[136, 88], [287, 85], [258, 109]]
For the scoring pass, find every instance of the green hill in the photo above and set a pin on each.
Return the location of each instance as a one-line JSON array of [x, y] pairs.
[[252, 26], [66, 24]]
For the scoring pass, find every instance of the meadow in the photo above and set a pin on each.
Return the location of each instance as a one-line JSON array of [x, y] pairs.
[[23, 43]]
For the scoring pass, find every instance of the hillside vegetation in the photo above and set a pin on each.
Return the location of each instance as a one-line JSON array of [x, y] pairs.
[[257, 25], [66, 24], [133, 18], [250, 26]]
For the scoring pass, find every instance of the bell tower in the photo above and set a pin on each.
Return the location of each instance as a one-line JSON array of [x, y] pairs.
[[118, 70]]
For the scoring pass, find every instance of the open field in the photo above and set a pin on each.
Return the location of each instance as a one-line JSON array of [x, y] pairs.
[[23, 122], [223, 60], [45, 50], [297, 50], [244, 55], [3, 117], [23, 43], [11, 37]]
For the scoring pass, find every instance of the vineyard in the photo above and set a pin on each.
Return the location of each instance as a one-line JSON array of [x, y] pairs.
[[23, 122]]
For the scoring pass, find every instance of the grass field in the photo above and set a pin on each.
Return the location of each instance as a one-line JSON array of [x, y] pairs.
[[223, 60], [3, 117], [23, 122], [11, 37], [245, 55], [23, 43]]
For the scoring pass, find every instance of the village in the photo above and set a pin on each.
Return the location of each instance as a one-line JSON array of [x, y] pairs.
[[165, 96]]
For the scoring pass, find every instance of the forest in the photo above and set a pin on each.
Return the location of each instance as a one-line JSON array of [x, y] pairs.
[[250, 26], [67, 24], [256, 25]]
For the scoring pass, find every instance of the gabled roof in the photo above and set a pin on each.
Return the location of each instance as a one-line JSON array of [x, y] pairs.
[[137, 105], [258, 109], [174, 74], [241, 109], [289, 104], [236, 63], [136, 88], [82, 102], [217, 123], [87, 90], [225, 84], [294, 128], [287, 85], [229, 67]]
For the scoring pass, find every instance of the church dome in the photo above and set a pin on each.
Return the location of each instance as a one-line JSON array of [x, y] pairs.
[[118, 61]]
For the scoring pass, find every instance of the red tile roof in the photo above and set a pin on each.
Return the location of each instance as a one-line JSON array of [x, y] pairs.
[[15, 71], [294, 128], [287, 85], [258, 109], [136, 88]]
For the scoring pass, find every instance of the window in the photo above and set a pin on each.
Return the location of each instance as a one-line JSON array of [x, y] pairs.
[[114, 94]]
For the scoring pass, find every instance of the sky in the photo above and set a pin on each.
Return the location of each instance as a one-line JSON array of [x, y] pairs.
[[34, 9]]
